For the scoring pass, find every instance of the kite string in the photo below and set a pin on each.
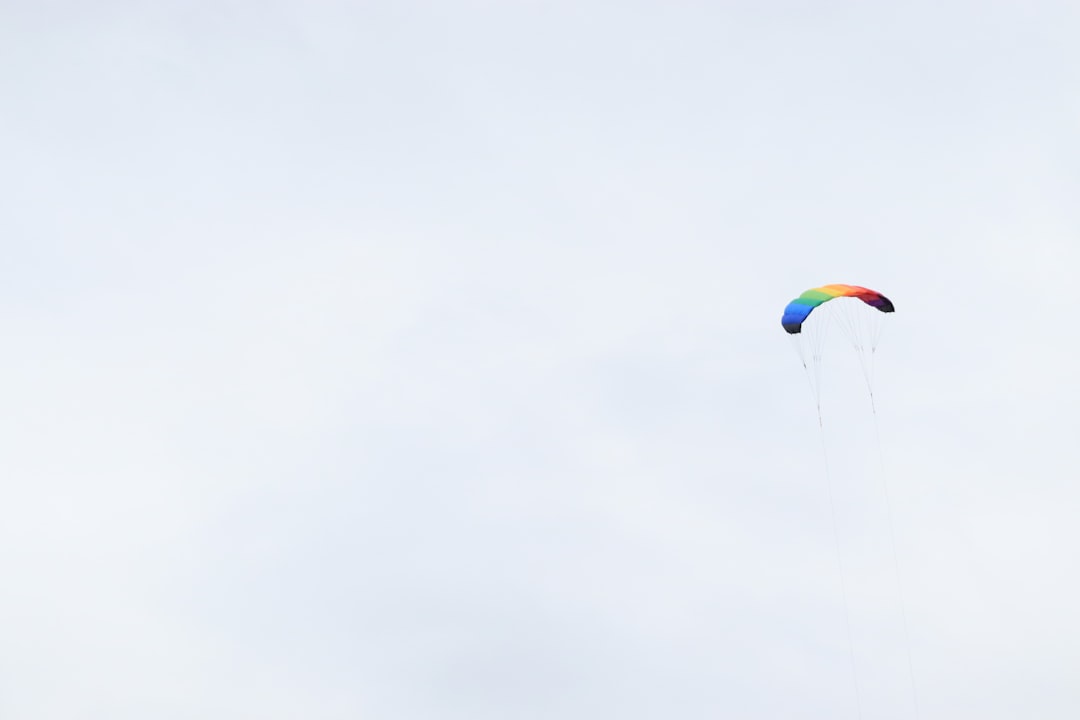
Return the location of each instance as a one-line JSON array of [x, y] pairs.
[[815, 341], [896, 561], [839, 562]]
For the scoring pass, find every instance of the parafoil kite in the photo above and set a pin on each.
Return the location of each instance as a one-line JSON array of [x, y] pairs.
[[799, 309]]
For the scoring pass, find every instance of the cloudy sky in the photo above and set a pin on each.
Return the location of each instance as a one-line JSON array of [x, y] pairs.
[[412, 360]]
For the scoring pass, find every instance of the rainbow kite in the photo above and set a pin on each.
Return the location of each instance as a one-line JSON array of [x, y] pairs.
[[799, 309]]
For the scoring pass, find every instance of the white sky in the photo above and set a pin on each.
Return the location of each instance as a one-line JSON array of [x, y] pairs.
[[422, 360]]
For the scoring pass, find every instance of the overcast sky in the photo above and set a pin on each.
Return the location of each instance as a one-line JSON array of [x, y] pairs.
[[413, 360]]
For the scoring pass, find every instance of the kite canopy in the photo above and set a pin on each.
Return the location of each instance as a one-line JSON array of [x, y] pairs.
[[799, 309]]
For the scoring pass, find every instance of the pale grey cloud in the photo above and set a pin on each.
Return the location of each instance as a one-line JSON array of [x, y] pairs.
[[417, 360]]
